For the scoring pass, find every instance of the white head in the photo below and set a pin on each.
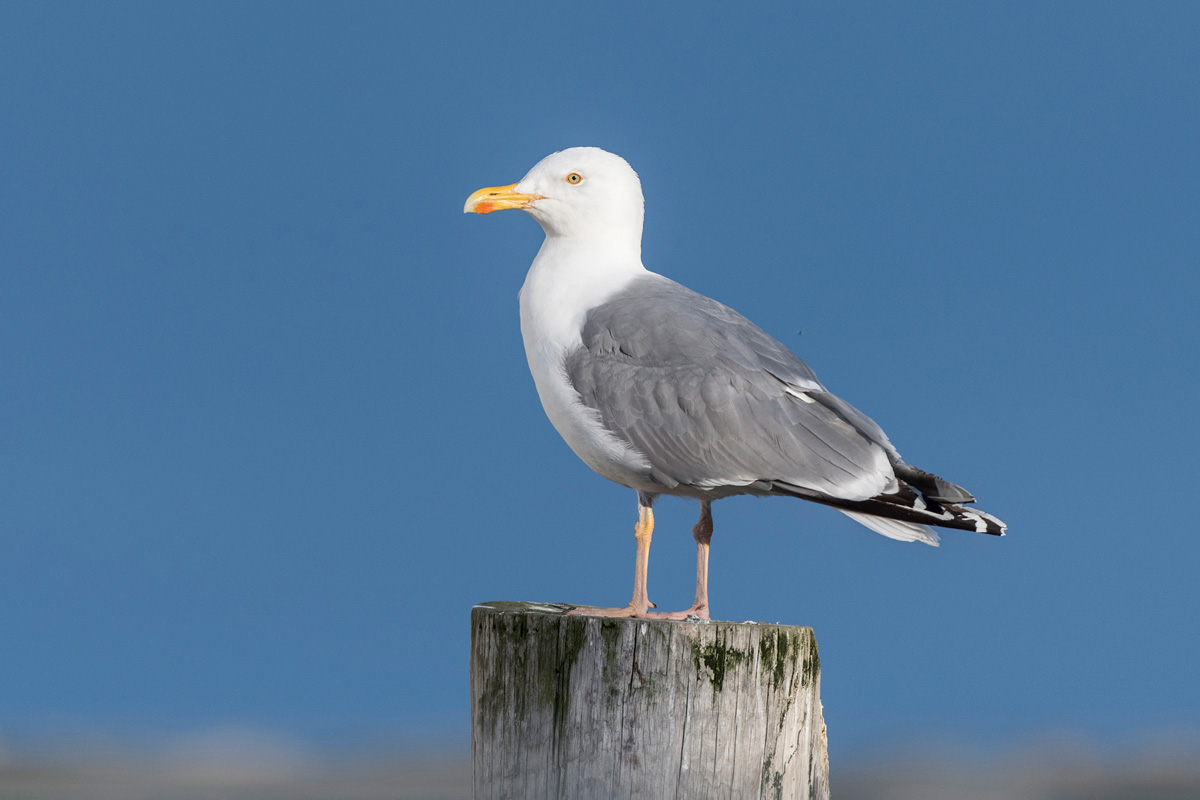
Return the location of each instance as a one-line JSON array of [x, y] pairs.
[[581, 193]]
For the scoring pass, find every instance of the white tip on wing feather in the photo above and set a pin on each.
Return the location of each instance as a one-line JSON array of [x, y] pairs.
[[895, 529]]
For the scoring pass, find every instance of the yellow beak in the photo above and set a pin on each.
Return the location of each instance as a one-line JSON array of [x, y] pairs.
[[495, 198]]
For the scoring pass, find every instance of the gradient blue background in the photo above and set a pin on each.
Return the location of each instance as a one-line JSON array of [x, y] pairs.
[[267, 431]]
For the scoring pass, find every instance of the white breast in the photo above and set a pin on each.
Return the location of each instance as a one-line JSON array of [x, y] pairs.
[[567, 279]]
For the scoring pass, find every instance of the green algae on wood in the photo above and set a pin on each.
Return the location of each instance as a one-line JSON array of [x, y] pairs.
[[717, 656], [579, 707]]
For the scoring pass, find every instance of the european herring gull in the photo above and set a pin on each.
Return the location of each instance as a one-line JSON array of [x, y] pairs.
[[666, 391]]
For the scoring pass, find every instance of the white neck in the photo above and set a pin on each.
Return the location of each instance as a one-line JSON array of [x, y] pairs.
[[568, 278]]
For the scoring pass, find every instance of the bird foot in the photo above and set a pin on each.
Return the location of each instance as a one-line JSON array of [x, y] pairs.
[[631, 611], [695, 612], [598, 611]]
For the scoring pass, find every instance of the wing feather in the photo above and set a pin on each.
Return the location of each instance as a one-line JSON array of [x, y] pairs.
[[712, 401]]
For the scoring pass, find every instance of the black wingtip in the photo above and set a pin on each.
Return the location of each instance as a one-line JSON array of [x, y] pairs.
[[931, 486]]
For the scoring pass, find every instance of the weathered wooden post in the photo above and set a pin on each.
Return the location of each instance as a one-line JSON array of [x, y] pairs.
[[583, 708]]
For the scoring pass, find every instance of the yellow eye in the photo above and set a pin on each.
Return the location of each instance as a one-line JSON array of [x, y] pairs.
[[574, 178]]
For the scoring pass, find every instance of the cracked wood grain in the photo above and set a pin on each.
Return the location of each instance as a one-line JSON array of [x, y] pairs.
[[582, 707]]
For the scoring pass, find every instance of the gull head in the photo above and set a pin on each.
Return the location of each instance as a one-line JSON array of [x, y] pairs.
[[581, 193]]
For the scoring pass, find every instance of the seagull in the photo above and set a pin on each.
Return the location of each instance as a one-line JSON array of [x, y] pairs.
[[669, 392]]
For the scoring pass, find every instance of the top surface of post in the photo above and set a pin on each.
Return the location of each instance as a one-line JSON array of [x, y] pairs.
[[562, 609]]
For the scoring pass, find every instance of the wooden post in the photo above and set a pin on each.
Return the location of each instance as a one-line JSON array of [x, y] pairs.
[[583, 708]]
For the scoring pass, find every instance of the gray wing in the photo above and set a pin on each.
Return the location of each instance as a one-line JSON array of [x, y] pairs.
[[714, 402]]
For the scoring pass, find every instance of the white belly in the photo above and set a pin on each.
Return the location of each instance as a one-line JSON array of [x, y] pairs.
[[552, 315]]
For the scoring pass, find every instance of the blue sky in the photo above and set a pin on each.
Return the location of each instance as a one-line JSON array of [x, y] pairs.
[[268, 431]]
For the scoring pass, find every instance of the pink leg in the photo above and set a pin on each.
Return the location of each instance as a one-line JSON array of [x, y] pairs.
[[702, 532], [640, 605]]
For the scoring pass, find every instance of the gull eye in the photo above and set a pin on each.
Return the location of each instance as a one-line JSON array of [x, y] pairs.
[[574, 178]]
